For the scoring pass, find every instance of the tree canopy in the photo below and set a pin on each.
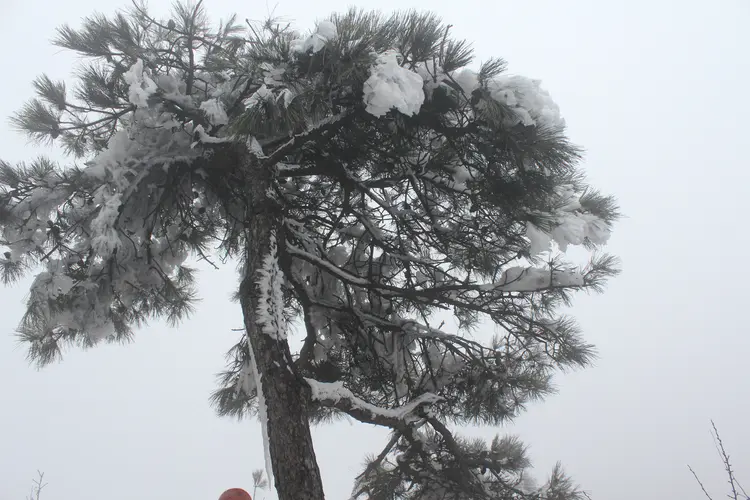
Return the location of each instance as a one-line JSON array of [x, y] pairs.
[[366, 178]]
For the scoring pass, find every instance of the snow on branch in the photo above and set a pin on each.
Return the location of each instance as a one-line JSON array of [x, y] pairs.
[[531, 104], [205, 138], [314, 43], [392, 86], [140, 86], [311, 133], [330, 267], [336, 395], [573, 225], [215, 111], [531, 279]]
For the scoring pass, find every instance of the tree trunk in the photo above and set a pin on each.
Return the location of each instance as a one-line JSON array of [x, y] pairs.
[[295, 468]]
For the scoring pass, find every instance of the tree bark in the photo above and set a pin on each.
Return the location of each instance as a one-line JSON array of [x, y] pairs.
[[294, 465]]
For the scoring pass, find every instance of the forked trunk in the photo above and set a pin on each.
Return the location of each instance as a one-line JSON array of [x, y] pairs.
[[294, 465]]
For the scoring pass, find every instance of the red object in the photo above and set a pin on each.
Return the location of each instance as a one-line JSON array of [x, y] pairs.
[[235, 494]]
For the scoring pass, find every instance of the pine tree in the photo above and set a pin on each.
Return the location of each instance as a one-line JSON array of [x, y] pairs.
[[366, 179]]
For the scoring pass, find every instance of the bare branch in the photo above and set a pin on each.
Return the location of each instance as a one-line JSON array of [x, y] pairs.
[[700, 483], [36, 489]]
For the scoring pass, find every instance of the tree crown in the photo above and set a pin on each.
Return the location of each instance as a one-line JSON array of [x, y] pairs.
[[404, 184]]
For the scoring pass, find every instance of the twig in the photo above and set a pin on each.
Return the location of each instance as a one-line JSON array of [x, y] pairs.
[[725, 459], [191, 55], [39, 485], [733, 482], [376, 463], [700, 483]]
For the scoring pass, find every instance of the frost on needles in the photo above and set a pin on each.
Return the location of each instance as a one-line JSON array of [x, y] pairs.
[[368, 178]]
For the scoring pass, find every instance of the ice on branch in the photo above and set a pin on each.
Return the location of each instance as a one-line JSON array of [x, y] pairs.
[[262, 412], [286, 96], [246, 381], [324, 32], [208, 139], [215, 112], [392, 86], [261, 95], [271, 298], [141, 87]]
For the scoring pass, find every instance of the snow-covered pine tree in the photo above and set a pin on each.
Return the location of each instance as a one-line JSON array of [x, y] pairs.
[[366, 179]]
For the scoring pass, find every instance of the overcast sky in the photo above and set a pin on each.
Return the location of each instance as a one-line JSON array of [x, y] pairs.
[[656, 91]]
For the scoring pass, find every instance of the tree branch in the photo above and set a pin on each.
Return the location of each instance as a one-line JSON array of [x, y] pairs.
[[700, 483], [317, 131], [335, 395]]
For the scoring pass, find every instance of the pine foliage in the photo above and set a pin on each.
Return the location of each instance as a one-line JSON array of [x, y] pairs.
[[464, 205]]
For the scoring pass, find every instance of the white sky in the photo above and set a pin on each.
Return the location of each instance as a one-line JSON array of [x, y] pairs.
[[656, 92]]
